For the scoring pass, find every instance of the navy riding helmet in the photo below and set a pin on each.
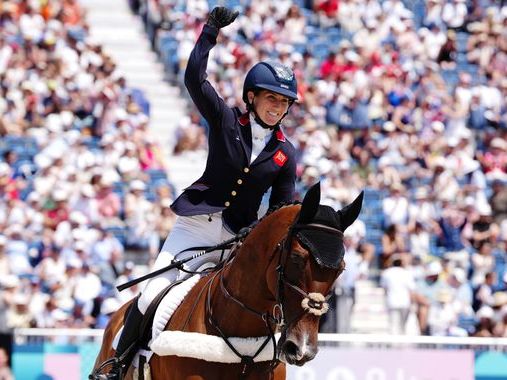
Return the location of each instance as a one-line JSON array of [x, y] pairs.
[[272, 76]]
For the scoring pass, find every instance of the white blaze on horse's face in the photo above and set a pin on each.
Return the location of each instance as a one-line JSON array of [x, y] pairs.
[[305, 349]]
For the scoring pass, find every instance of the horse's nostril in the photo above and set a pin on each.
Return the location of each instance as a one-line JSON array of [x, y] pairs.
[[290, 349]]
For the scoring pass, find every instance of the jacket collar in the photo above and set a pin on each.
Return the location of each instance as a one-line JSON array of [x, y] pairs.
[[244, 119]]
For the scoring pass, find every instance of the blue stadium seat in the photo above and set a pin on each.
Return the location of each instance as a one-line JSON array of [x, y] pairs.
[[461, 41], [334, 35], [120, 232], [468, 323]]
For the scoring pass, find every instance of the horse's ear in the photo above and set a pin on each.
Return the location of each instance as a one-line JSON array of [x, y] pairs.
[[310, 204], [349, 213]]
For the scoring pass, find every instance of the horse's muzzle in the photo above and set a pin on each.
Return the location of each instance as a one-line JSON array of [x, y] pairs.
[[296, 354]]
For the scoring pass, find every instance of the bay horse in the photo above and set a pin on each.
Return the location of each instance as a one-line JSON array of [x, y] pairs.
[[277, 280]]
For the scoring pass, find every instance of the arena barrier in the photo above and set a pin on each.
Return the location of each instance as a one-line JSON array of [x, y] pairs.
[[69, 354]]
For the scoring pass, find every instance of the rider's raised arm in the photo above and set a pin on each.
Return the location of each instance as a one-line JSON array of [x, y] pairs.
[[211, 106]]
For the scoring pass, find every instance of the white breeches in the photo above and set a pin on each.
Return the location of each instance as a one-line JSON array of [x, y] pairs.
[[188, 231]]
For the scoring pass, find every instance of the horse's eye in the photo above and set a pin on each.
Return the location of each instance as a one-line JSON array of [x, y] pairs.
[[297, 259]]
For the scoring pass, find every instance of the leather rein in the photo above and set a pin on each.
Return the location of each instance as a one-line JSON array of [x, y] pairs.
[[313, 303]]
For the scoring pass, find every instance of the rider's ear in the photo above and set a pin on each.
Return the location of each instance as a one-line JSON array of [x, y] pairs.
[[310, 204], [349, 213], [250, 95]]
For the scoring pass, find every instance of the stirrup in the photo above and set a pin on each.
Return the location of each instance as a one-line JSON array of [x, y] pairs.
[[115, 373]]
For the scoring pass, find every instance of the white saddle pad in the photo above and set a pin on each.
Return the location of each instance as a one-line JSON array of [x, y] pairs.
[[170, 303], [209, 347]]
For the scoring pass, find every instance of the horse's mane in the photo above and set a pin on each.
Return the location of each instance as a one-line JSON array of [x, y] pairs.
[[244, 232], [271, 210], [279, 206]]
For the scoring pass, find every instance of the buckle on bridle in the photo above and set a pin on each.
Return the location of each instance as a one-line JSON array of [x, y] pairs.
[[278, 315]]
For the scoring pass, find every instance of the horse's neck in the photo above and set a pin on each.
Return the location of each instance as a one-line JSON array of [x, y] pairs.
[[246, 278]]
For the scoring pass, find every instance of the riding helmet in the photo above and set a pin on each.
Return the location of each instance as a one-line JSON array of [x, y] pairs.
[[272, 76]]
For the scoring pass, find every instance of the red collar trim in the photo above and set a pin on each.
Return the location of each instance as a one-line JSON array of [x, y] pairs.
[[244, 119], [280, 136]]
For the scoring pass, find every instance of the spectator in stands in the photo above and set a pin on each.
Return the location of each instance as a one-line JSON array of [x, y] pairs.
[[483, 262], [442, 316], [18, 316], [483, 293], [451, 225], [399, 286], [419, 242], [485, 326], [447, 55], [150, 157], [482, 227], [106, 255], [395, 206], [498, 201], [52, 267], [140, 219], [17, 251], [422, 210], [393, 244], [494, 160], [108, 202], [165, 220], [500, 329], [454, 14], [462, 292], [5, 269], [59, 212], [358, 258], [87, 286], [426, 293]]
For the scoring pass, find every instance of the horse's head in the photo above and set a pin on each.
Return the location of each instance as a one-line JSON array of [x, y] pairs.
[[310, 261]]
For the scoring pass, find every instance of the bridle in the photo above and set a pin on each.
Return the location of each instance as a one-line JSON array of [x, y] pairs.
[[312, 303]]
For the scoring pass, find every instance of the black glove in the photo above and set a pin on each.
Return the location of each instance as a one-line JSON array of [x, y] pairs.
[[221, 16]]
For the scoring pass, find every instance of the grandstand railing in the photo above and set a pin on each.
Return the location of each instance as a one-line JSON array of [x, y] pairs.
[[370, 340], [39, 335]]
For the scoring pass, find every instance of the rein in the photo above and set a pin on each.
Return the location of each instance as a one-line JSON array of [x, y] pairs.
[[312, 303]]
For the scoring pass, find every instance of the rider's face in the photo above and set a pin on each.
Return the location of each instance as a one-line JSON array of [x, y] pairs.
[[270, 106]]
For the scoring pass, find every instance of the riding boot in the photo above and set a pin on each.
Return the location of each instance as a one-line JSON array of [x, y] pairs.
[[126, 349]]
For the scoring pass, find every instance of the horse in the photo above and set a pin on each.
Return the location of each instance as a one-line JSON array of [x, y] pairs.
[[278, 280]]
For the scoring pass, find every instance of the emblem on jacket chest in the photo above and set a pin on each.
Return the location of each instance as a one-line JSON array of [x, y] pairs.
[[280, 158]]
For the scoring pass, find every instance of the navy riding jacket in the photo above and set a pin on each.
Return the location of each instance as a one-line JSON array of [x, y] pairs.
[[230, 183]]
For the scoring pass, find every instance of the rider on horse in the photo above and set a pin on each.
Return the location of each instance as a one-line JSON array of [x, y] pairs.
[[248, 155]]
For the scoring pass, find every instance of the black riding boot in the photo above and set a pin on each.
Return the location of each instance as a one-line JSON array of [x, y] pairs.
[[126, 349]]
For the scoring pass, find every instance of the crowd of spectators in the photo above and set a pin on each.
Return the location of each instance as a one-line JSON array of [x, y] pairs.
[[408, 104], [78, 170], [406, 99]]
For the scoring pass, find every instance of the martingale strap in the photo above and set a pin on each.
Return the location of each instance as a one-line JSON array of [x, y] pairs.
[[246, 360]]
